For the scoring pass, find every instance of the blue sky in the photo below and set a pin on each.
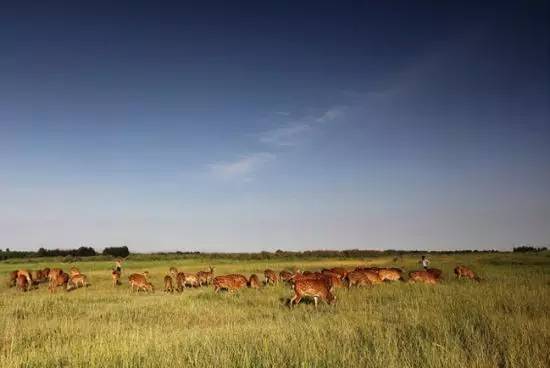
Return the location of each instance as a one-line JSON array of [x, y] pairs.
[[285, 126]]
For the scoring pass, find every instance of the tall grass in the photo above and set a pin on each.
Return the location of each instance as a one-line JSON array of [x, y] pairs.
[[501, 322]]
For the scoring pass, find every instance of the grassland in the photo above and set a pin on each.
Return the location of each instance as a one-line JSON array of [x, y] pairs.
[[502, 322]]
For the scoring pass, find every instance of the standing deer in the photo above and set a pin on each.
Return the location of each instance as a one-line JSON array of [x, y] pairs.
[[310, 287], [254, 281], [168, 287]]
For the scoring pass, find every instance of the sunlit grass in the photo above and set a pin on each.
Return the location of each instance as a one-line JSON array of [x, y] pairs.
[[501, 322]]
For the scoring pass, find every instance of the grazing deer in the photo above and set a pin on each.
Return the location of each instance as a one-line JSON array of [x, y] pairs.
[[339, 271], [330, 273], [331, 280], [285, 276], [372, 269], [27, 275], [270, 277], [254, 281], [390, 274], [188, 280], [168, 287], [58, 279], [230, 283], [436, 272], [465, 272], [423, 277], [37, 277], [139, 281], [363, 278], [21, 283], [317, 288], [76, 281], [54, 273]]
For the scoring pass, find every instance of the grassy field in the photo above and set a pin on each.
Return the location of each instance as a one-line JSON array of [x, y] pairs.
[[502, 322]]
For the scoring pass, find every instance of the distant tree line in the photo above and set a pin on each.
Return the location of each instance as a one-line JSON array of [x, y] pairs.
[[80, 252], [350, 253], [69, 253], [529, 248], [123, 252]]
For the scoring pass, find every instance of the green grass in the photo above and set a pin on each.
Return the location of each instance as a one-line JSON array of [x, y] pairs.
[[502, 322]]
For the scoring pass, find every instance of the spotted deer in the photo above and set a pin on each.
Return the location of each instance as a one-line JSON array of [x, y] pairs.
[[316, 288], [230, 283], [271, 277]]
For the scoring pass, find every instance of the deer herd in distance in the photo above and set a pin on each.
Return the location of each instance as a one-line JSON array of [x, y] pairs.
[[318, 285]]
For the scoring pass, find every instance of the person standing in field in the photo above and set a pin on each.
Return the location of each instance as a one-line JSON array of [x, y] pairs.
[[425, 262], [118, 266]]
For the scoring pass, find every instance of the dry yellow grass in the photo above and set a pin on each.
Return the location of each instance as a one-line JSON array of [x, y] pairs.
[[501, 322]]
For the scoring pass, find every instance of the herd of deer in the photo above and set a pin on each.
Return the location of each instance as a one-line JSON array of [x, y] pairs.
[[25, 279], [316, 285]]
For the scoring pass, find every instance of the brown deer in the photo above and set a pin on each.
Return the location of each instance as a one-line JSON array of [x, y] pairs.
[[363, 278], [115, 276], [54, 273], [138, 281], [12, 278], [58, 279], [465, 272], [254, 281], [187, 280], [285, 276], [312, 287], [205, 277], [168, 287], [331, 280], [46, 272], [436, 272], [270, 277], [390, 274], [340, 271], [76, 281], [173, 271], [21, 283], [373, 269], [37, 277], [74, 271], [423, 277], [27, 274], [230, 283]]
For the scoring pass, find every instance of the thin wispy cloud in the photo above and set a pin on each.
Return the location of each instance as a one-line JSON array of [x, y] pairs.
[[242, 168], [331, 114], [285, 136], [296, 130], [293, 132]]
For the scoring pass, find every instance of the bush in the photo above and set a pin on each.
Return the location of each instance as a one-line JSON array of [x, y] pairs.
[[122, 252]]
